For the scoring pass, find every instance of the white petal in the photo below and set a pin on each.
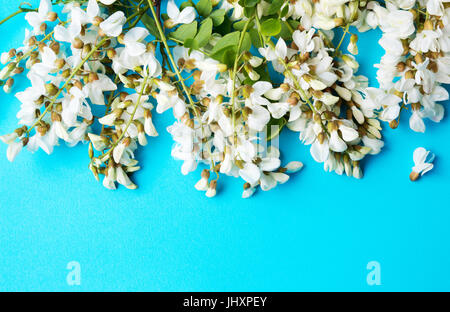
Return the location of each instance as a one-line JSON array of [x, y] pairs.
[[336, 143], [186, 16], [348, 134], [118, 152], [281, 48], [267, 182], [416, 123], [420, 155], [320, 152], [172, 10], [269, 164], [250, 173], [294, 166], [13, 150]]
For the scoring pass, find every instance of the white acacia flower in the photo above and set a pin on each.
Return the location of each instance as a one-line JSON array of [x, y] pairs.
[[422, 163], [253, 173], [248, 192], [107, 2], [336, 143], [78, 133], [186, 16], [170, 100], [149, 127], [405, 4], [294, 166], [133, 41], [122, 178], [426, 40], [203, 183], [13, 150], [94, 90], [35, 19], [398, 23], [238, 11], [320, 151], [47, 64], [44, 142], [274, 54], [435, 7], [112, 26], [390, 102], [424, 76], [74, 105], [416, 122], [303, 40], [110, 178], [119, 150], [211, 191], [9, 138], [99, 142]]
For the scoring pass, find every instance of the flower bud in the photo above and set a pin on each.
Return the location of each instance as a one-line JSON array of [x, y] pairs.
[[77, 43], [393, 124], [51, 89], [414, 176], [52, 16], [211, 192], [97, 21], [8, 85]]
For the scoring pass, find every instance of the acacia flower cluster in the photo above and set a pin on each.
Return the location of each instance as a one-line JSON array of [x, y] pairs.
[[234, 73]]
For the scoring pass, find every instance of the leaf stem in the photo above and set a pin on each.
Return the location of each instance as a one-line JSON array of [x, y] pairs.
[[21, 10], [234, 72], [172, 61]]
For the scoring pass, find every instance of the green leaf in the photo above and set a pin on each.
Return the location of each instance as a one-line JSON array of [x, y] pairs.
[[228, 40], [274, 7], [204, 7], [246, 43], [271, 27], [191, 44], [225, 50], [150, 24], [249, 11], [248, 3], [186, 31], [185, 5], [241, 24], [218, 16], [204, 33], [225, 27], [286, 33], [284, 11], [254, 36]]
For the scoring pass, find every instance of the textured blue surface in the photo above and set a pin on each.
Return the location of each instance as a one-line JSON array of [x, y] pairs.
[[315, 233]]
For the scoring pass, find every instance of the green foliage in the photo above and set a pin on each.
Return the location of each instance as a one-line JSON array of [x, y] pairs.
[[275, 7], [271, 27], [218, 17], [150, 24], [184, 32], [204, 7], [248, 3], [226, 49], [204, 33]]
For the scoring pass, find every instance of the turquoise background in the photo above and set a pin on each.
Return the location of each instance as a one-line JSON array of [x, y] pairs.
[[315, 233]]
